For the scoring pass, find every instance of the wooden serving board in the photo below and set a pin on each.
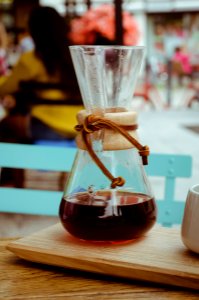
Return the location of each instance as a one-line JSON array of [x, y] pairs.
[[159, 257]]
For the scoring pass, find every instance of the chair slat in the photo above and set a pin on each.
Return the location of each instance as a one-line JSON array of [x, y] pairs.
[[169, 165], [36, 157], [28, 201]]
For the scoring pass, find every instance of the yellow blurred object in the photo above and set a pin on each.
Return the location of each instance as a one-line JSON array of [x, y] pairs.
[[61, 118]]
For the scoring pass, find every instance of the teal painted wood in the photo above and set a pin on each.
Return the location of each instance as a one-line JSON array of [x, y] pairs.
[[54, 158], [29, 201], [170, 167], [36, 157], [170, 213]]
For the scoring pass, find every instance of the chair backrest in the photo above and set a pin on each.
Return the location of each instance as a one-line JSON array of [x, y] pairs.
[[35, 157], [171, 167], [53, 158]]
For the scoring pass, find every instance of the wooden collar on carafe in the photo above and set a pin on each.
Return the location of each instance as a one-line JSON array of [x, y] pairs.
[[111, 139], [118, 134]]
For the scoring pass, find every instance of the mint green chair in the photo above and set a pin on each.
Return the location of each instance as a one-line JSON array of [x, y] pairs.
[[171, 167], [35, 157], [54, 158]]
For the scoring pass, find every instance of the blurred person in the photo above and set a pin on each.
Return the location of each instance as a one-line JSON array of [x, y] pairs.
[[12, 51], [181, 65], [3, 48], [49, 62], [183, 58], [25, 42]]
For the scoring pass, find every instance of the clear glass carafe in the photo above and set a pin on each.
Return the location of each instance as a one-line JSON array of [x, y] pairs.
[[107, 196]]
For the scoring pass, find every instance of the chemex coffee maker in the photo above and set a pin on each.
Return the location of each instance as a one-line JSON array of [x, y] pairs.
[[107, 196]]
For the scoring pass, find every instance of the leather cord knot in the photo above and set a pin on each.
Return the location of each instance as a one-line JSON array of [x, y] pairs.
[[144, 153], [94, 123], [90, 124], [117, 181]]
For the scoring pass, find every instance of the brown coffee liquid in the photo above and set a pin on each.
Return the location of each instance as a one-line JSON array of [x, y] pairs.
[[107, 216]]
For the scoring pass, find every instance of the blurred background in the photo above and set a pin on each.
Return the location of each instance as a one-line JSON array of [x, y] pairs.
[[163, 27], [167, 91]]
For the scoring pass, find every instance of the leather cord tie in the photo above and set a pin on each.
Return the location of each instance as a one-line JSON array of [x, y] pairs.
[[94, 123]]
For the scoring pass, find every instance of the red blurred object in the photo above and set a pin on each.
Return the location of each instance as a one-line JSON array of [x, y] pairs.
[[101, 21]]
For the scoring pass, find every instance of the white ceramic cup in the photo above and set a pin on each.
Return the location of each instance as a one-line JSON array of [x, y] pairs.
[[190, 223]]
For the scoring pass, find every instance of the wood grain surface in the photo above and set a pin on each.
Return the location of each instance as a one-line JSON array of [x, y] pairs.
[[159, 257], [20, 279]]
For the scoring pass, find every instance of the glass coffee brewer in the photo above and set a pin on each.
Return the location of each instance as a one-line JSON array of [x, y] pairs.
[[107, 196]]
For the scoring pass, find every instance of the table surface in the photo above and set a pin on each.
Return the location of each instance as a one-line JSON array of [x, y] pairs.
[[20, 279]]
